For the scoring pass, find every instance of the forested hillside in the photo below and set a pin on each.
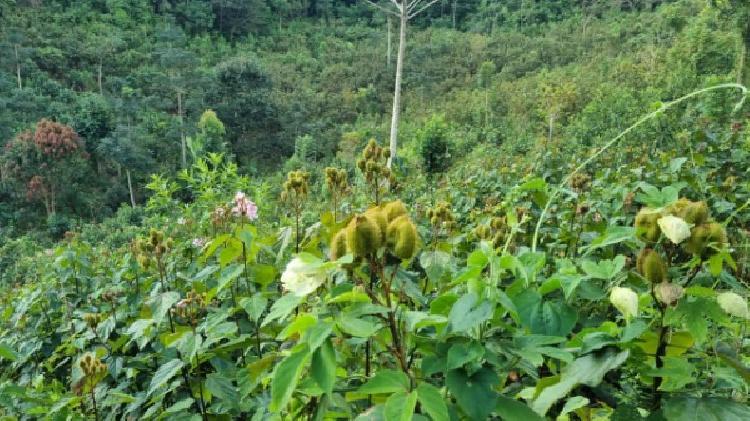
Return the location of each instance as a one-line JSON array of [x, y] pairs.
[[202, 215]]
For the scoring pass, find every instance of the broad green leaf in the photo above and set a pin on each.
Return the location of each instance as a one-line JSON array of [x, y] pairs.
[[432, 402], [468, 313], [545, 317], [7, 353], [222, 388], [315, 336], [435, 263], [604, 269], [474, 393], [462, 353], [254, 306], [161, 305], [164, 374], [232, 250], [400, 406], [589, 370], [705, 409], [282, 308], [323, 367], [385, 381], [286, 376], [676, 373], [301, 323], [728, 355], [572, 404], [356, 326], [263, 274], [613, 235], [512, 410], [228, 275]]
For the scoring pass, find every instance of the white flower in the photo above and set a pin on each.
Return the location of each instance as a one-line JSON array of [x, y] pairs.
[[181, 221], [300, 278], [733, 304], [676, 229], [625, 300]]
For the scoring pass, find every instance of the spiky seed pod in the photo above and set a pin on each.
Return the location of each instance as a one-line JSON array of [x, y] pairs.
[[499, 239], [394, 210], [402, 237], [482, 232], [338, 245], [646, 226], [651, 266], [695, 213], [363, 236], [704, 235], [497, 223], [377, 214]]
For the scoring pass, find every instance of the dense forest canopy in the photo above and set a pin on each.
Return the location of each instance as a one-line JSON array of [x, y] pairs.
[[285, 78], [374, 209]]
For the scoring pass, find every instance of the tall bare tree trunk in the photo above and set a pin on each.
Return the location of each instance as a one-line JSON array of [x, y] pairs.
[[183, 142], [130, 187], [397, 90], [453, 14], [388, 54], [99, 78], [744, 73], [18, 66]]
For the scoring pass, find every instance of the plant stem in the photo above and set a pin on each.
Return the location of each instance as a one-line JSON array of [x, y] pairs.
[[93, 401]]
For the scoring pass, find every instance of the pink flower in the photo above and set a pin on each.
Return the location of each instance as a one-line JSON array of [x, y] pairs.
[[244, 207], [199, 242]]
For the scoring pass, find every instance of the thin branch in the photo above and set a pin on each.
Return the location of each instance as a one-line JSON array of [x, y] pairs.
[[412, 5], [422, 9], [399, 6], [382, 8]]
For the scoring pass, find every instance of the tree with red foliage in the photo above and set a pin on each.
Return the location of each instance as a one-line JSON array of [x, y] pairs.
[[44, 161]]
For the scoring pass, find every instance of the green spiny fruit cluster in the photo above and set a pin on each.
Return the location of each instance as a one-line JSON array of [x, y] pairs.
[[494, 231], [704, 231], [441, 216], [695, 213], [155, 245], [704, 235], [93, 319], [646, 226], [373, 163], [190, 306], [336, 179], [296, 185], [93, 369], [651, 265], [580, 181], [386, 225]]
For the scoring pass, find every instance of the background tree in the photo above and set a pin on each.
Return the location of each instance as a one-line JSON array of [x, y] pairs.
[[434, 146], [124, 148], [404, 10], [46, 161], [178, 64], [243, 100]]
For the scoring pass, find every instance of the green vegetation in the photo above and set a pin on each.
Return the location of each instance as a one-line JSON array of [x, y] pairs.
[[204, 213]]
